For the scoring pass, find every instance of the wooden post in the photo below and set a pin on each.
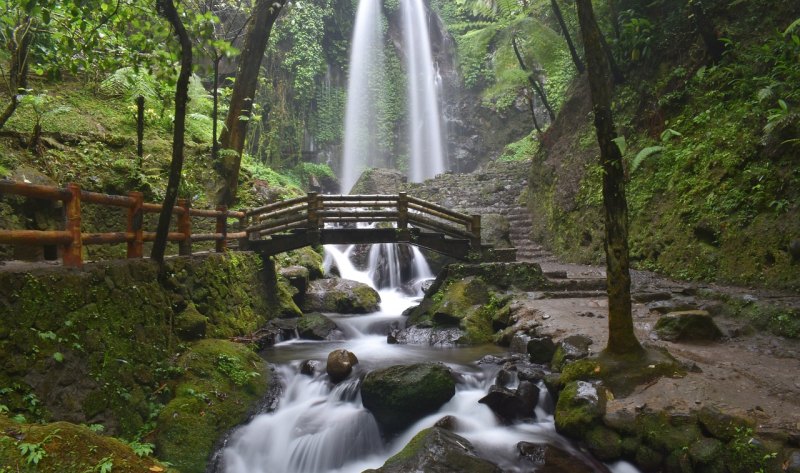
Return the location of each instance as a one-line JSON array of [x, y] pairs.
[[222, 227], [314, 203], [185, 227], [72, 252], [475, 229], [135, 220], [402, 211], [244, 243]]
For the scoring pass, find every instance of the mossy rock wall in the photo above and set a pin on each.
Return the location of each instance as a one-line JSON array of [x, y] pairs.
[[97, 345]]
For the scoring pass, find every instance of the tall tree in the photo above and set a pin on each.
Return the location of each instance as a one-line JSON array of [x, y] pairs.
[[265, 12], [576, 59], [621, 339], [533, 80], [167, 9]]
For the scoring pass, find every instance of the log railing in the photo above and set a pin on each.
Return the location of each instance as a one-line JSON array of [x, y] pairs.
[[71, 239], [314, 211], [310, 213]]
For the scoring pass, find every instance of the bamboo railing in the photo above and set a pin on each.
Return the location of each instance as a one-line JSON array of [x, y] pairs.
[[71, 239]]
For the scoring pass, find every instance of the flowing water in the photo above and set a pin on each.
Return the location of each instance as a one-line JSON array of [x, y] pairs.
[[425, 120], [367, 83], [323, 428]]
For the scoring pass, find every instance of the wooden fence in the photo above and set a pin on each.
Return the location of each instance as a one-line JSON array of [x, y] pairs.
[[71, 239], [313, 211]]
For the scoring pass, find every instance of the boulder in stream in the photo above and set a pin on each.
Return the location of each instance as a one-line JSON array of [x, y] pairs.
[[342, 296], [340, 364], [512, 404], [436, 450], [315, 326], [399, 395]]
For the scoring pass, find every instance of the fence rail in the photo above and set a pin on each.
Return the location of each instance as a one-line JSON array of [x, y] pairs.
[[310, 214], [71, 239], [314, 211]]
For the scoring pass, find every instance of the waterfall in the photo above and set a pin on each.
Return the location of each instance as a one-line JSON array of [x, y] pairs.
[[427, 151], [364, 87]]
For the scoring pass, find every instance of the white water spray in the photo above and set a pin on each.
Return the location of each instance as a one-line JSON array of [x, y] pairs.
[[364, 88], [425, 127]]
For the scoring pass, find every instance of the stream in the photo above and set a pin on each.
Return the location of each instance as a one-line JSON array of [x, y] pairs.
[[319, 427]]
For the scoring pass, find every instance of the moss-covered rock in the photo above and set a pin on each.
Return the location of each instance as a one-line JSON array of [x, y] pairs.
[[580, 407], [604, 443], [723, 425], [523, 276], [315, 326], [706, 455], [399, 395], [190, 324], [668, 433], [64, 447], [306, 257], [691, 325], [436, 450], [342, 296], [221, 381]]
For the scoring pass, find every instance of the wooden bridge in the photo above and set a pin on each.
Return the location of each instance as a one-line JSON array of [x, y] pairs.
[[270, 230]]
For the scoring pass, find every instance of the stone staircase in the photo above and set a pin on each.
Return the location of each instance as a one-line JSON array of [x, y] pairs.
[[497, 189]]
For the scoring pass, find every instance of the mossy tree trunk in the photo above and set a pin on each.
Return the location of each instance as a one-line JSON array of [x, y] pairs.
[[18, 44], [167, 9], [706, 29], [265, 13], [621, 339]]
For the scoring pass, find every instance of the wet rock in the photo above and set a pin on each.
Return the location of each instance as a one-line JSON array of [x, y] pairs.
[[504, 378], [436, 450], [574, 347], [552, 459], [310, 367], [674, 305], [315, 326], [793, 462], [580, 406], [722, 425], [694, 325], [340, 365], [190, 324], [510, 405], [519, 343], [447, 423], [399, 395], [541, 349], [342, 296], [298, 277], [426, 336], [379, 181]]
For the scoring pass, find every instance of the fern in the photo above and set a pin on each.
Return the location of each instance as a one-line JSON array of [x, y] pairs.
[[129, 83], [644, 154]]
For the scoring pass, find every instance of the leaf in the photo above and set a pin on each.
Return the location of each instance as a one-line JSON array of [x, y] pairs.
[[155, 468], [643, 154], [58, 357], [668, 134], [794, 25], [621, 144]]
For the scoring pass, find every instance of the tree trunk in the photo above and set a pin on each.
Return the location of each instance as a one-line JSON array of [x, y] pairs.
[[18, 46], [140, 129], [621, 339], [533, 80], [167, 9], [576, 59], [705, 28], [244, 89], [613, 11], [215, 111]]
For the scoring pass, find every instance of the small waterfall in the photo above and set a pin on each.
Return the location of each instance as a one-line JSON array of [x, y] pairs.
[[425, 120], [364, 88]]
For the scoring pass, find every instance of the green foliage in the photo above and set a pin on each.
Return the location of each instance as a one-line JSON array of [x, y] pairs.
[[521, 150], [636, 36], [142, 449], [234, 369]]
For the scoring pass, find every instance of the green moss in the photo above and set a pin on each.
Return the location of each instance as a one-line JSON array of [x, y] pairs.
[[222, 380], [62, 446], [574, 415], [307, 257]]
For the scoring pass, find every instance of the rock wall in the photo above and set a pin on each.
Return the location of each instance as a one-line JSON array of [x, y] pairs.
[[101, 345]]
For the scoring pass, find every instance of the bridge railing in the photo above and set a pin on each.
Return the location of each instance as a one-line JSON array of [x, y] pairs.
[[314, 211], [70, 239]]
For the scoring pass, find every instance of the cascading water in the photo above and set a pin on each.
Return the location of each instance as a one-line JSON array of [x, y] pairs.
[[425, 126], [364, 88], [367, 83]]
